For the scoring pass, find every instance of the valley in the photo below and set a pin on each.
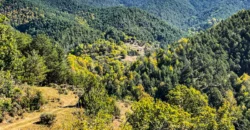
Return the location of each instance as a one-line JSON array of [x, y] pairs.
[[124, 65]]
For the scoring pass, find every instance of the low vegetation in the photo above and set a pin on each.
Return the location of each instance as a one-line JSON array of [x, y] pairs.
[[47, 118]]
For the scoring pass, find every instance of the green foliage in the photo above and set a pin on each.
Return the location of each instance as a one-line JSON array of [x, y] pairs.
[[45, 61], [215, 97], [189, 99], [88, 49], [64, 31], [1, 118], [54, 57], [207, 61], [225, 118], [83, 24], [100, 121], [35, 69], [104, 59], [148, 114], [196, 104], [210, 62], [177, 114], [6, 84], [94, 97], [32, 99], [5, 105], [3, 19], [146, 27], [15, 100], [187, 14], [10, 56], [47, 118]]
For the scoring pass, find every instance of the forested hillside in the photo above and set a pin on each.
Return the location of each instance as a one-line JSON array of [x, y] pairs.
[[181, 13], [127, 68], [187, 15], [214, 62], [72, 24]]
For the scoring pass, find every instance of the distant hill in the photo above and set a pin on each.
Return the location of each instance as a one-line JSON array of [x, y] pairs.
[[181, 13], [70, 23], [134, 22]]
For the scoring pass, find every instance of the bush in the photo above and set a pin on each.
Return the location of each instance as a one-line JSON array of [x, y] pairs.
[[54, 85], [1, 117], [34, 99], [47, 118], [63, 91], [117, 112]]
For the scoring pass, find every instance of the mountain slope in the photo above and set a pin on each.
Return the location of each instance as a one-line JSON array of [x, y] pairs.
[[215, 62], [181, 13], [35, 17], [134, 22], [231, 35], [206, 60], [71, 24], [199, 82]]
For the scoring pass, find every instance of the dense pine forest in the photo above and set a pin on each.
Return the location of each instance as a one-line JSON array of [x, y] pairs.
[[125, 64], [198, 14]]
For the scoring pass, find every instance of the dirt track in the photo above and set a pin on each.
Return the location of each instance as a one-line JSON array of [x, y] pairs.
[[52, 107]]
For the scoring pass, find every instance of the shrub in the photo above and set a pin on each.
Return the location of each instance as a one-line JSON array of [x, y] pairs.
[[53, 85], [5, 105], [34, 99], [1, 117], [63, 91], [47, 118], [117, 112]]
